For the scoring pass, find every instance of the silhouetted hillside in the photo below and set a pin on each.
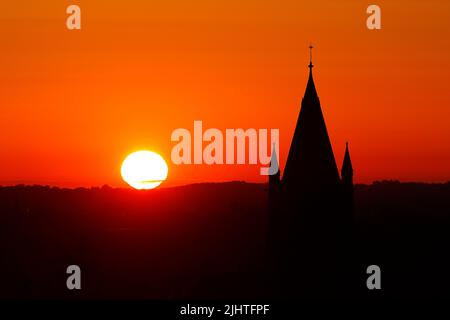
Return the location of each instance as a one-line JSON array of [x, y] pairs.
[[203, 241]]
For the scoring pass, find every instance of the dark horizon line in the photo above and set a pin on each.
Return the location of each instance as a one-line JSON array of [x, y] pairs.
[[106, 186]]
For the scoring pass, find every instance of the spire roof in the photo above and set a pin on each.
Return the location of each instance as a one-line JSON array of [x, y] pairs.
[[274, 160], [347, 163], [310, 165], [310, 86]]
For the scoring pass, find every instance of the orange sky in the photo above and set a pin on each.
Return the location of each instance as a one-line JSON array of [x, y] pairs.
[[75, 103]]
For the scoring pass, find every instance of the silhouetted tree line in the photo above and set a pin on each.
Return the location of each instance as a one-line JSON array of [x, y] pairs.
[[205, 241]]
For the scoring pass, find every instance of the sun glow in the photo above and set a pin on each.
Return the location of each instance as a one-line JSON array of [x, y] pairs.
[[144, 170]]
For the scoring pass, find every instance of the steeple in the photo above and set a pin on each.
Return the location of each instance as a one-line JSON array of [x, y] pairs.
[[310, 166], [274, 158], [347, 181], [347, 169], [274, 177], [310, 209]]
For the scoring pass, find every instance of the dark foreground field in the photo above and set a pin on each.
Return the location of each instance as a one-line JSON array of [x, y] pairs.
[[205, 241]]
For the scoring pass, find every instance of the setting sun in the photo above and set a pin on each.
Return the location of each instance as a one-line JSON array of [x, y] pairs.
[[144, 170]]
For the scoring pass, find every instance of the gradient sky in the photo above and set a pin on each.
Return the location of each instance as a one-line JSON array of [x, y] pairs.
[[75, 103]]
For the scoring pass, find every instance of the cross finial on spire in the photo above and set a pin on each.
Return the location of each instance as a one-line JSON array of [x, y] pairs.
[[310, 56]]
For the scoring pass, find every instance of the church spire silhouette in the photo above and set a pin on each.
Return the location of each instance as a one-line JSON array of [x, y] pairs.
[[311, 165], [274, 174], [347, 168], [311, 208], [274, 161], [347, 181]]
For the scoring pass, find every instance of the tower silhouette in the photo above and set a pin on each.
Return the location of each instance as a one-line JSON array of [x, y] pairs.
[[311, 207]]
